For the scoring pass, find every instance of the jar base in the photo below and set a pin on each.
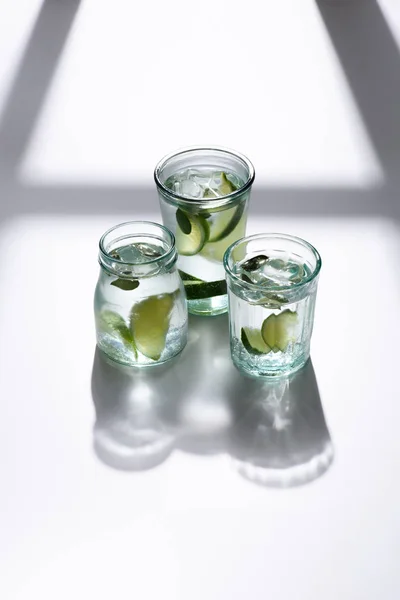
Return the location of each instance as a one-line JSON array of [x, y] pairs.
[[209, 307], [265, 373]]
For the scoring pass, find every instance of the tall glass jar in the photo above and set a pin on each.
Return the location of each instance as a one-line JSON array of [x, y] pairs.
[[139, 304], [204, 194]]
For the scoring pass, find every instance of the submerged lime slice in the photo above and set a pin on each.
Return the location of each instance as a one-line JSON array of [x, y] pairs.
[[279, 330], [224, 222], [192, 233], [197, 289], [253, 341], [112, 323], [215, 250], [150, 322], [268, 330]]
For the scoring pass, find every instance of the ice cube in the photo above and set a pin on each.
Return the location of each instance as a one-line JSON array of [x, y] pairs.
[[250, 270], [148, 251], [214, 185], [191, 189], [282, 272], [268, 272], [130, 253]]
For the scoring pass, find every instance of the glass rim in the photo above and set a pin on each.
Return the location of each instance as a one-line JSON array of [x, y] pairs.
[[170, 249], [273, 288], [199, 201]]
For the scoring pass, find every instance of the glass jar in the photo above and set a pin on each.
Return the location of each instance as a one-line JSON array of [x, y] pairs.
[[204, 194], [140, 305]]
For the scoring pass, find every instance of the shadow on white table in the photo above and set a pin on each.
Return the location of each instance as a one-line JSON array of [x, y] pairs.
[[273, 430]]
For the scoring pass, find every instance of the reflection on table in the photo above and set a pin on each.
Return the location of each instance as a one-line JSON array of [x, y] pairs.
[[274, 429]]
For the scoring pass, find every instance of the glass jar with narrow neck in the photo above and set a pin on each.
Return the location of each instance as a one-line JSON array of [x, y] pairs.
[[140, 305], [204, 195]]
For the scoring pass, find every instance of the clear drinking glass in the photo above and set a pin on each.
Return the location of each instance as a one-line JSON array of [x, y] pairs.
[[204, 194], [139, 304], [272, 286]]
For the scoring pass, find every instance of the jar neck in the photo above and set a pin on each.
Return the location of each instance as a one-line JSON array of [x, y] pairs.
[[126, 270], [137, 249]]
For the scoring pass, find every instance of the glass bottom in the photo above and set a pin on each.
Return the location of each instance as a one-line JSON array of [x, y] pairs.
[[289, 476], [282, 364], [209, 307], [117, 352], [122, 445]]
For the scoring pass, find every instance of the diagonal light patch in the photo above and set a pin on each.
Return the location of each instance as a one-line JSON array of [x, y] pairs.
[[274, 90]]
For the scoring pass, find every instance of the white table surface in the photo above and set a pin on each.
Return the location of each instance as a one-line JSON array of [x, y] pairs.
[[92, 94]]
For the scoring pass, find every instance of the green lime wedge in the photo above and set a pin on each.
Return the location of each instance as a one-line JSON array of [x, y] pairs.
[[192, 233], [285, 329], [187, 277], [268, 330], [253, 341], [279, 330], [112, 323], [150, 322], [197, 289], [201, 290]]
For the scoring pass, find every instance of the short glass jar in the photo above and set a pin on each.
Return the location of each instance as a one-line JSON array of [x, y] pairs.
[[140, 305]]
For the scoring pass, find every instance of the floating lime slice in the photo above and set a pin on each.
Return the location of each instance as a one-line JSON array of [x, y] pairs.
[[112, 323], [253, 341], [150, 322], [192, 233], [279, 330]]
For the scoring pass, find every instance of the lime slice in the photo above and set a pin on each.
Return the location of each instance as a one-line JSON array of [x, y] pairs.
[[197, 289], [268, 330], [187, 277], [216, 250], [253, 341], [112, 323], [225, 187], [192, 233], [224, 222], [279, 330], [150, 322], [285, 329]]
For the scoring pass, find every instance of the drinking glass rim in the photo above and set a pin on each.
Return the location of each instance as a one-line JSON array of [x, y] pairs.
[[200, 201], [170, 249], [273, 288]]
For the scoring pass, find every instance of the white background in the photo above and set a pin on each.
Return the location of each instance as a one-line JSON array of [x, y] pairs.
[[93, 93]]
